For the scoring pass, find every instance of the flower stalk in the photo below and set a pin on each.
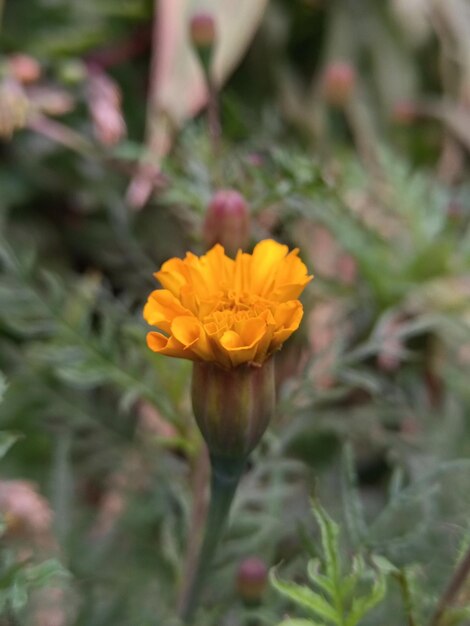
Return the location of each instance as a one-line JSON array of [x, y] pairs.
[[225, 477], [228, 316]]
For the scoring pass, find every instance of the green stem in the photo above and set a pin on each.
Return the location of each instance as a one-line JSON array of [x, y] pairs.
[[225, 476]]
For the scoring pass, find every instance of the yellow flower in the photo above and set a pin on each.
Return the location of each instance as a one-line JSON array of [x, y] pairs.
[[216, 309]]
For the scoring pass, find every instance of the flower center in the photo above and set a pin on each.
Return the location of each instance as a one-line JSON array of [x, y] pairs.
[[232, 306]]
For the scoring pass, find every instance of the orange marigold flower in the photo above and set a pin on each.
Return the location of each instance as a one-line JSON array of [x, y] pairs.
[[216, 309]]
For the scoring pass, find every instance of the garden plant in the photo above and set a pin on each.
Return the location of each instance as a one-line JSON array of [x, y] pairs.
[[234, 313]]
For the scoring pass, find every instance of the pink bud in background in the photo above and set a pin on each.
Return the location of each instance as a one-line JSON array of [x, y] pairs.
[[202, 30], [26, 69], [339, 81], [252, 578], [227, 221]]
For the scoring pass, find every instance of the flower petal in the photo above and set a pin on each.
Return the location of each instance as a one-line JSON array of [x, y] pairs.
[[161, 309], [291, 278], [189, 332], [241, 346], [173, 275], [168, 346], [265, 262], [288, 317]]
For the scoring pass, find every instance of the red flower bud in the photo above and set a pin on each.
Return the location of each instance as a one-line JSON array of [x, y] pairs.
[[202, 30], [227, 221], [252, 577], [339, 81]]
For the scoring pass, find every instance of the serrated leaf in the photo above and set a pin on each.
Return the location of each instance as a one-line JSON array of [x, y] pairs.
[[313, 571], [362, 605], [305, 597], [329, 537]]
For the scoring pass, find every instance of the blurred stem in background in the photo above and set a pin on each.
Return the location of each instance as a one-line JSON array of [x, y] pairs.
[[452, 590], [203, 34]]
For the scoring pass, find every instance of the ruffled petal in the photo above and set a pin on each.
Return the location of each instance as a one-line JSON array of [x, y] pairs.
[[242, 344], [288, 317], [161, 309], [168, 346], [189, 332]]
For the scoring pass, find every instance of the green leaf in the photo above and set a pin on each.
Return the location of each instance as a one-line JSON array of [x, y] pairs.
[[344, 602], [330, 543], [41, 574], [362, 605], [306, 598], [313, 571]]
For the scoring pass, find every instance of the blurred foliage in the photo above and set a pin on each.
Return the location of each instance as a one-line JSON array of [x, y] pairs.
[[19, 575], [338, 599], [366, 170]]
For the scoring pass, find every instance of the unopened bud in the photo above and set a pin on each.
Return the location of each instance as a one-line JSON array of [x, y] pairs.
[[202, 30], [227, 221], [252, 577], [24, 68], [339, 81], [233, 407]]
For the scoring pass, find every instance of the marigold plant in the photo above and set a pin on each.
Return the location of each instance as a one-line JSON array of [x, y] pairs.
[[229, 317]]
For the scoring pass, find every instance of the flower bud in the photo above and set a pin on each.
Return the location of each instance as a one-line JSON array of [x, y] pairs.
[[202, 31], [252, 577], [233, 407], [339, 81], [26, 69], [227, 221]]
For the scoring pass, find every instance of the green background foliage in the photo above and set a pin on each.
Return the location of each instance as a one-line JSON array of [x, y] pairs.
[[373, 413]]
